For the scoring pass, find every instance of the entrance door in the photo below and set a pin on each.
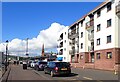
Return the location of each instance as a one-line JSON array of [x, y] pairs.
[[92, 57]]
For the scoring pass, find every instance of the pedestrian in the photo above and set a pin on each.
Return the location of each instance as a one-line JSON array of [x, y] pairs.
[[17, 62]]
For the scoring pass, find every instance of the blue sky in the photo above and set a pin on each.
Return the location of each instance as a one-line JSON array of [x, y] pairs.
[[23, 20]]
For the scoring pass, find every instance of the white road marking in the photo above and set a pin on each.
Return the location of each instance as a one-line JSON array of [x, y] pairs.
[[88, 78]]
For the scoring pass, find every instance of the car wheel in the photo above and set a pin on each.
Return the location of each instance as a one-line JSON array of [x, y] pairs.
[[45, 72], [51, 74], [37, 68]]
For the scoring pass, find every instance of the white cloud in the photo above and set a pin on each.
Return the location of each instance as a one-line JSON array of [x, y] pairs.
[[48, 37]]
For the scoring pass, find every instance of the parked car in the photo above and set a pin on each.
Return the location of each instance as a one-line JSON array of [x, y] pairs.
[[29, 63], [40, 65], [57, 68], [32, 64]]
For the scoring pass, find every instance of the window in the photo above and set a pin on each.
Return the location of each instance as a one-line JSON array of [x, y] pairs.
[[98, 13], [92, 31], [81, 57], [98, 27], [65, 33], [81, 34], [109, 39], [109, 23], [65, 41], [98, 41], [64, 58], [109, 7], [81, 23], [98, 55], [109, 55], [81, 45], [64, 49]]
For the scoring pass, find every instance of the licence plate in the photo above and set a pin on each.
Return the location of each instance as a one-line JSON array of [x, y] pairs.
[[64, 69]]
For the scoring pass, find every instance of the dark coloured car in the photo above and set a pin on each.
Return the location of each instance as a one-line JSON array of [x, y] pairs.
[[29, 63], [39, 66], [57, 68]]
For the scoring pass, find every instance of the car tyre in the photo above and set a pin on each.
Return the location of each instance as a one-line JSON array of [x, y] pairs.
[[45, 72], [51, 74]]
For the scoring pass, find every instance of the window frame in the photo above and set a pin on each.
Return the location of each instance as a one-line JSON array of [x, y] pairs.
[[109, 7], [109, 23], [99, 13], [99, 41], [98, 54], [98, 26], [107, 57], [81, 46], [81, 34], [109, 39]]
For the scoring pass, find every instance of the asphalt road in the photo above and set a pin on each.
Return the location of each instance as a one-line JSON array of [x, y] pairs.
[[81, 74]]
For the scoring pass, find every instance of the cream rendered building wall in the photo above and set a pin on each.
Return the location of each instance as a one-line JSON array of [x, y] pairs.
[[83, 39], [117, 25], [66, 56], [104, 32], [65, 45]]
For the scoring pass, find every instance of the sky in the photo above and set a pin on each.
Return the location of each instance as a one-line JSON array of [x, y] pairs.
[[40, 22]]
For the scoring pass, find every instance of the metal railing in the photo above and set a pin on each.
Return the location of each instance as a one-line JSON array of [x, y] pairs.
[[91, 37], [90, 24], [118, 9], [90, 48]]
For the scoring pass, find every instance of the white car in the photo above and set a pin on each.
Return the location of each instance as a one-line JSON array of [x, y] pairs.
[[33, 64]]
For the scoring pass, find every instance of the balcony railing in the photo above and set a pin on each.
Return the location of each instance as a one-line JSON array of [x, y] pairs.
[[60, 39], [71, 52], [60, 53], [73, 34], [91, 48], [90, 24], [77, 50], [118, 9], [59, 46], [91, 37]]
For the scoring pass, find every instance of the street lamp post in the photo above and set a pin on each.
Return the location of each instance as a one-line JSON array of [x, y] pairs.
[[6, 55], [27, 47]]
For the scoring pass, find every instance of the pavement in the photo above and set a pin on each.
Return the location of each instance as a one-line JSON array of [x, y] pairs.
[[17, 73]]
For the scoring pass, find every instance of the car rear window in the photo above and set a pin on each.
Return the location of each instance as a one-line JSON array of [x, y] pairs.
[[43, 63], [62, 64]]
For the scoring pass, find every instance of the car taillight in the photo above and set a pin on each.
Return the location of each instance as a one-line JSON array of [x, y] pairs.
[[56, 68]]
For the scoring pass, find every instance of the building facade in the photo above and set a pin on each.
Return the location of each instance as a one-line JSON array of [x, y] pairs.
[[94, 40], [63, 47]]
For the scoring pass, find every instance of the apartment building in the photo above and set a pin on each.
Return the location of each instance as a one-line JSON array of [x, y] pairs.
[[63, 47], [94, 40]]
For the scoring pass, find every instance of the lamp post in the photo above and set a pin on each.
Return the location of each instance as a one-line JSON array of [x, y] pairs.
[[6, 55], [27, 47]]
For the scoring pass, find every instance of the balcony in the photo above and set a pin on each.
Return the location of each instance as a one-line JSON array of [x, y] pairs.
[[77, 41], [90, 48], [60, 39], [77, 51], [73, 34], [60, 46], [60, 53], [72, 52], [118, 9], [91, 37], [90, 24]]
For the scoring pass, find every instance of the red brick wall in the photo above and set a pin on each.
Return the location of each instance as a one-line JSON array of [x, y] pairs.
[[117, 55], [103, 62]]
